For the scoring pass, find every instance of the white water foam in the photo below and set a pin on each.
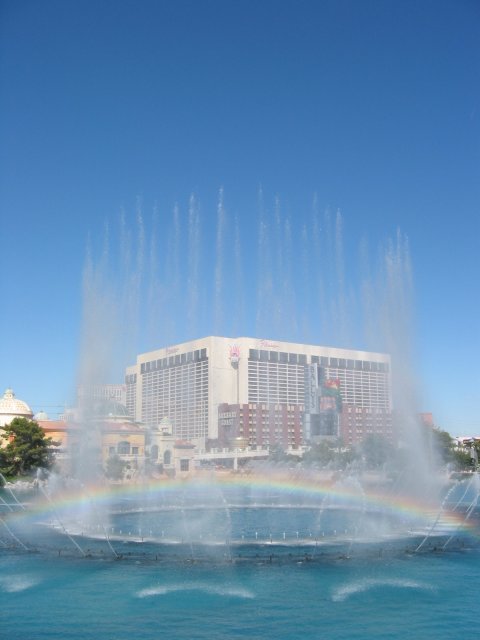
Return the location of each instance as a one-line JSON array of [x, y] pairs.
[[15, 584], [225, 591], [361, 586]]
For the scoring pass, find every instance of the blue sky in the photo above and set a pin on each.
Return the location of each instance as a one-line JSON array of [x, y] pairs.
[[133, 106]]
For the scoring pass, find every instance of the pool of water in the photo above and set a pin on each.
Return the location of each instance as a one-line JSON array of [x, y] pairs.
[[242, 562], [429, 595]]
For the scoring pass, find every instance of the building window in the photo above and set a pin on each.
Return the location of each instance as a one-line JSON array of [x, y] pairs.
[[123, 448], [135, 451], [184, 465], [167, 457]]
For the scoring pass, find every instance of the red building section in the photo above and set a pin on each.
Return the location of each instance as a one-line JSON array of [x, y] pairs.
[[356, 423], [260, 425]]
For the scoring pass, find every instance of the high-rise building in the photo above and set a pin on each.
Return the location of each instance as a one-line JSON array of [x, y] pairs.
[[258, 392], [102, 392]]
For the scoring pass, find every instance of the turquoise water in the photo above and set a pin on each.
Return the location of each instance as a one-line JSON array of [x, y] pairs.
[[432, 595], [244, 563]]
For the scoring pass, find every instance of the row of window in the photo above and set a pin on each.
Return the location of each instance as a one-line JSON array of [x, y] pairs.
[[181, 394], [123, 449], [273, 375], [301, 359], [161, 410], [186, 422], [172, 395], [277, 356], [358, 377], [275, 396], [369, 410], [199, 355], [352, 365], [131, 400], [267, 386], [170, 387]]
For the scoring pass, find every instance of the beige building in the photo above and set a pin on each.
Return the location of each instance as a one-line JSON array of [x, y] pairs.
[[11, 407], [60, 433], [118, 435], [169, 455], [189, 382]]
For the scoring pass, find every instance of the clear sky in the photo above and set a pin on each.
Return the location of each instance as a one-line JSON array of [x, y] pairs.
[[368, 108]]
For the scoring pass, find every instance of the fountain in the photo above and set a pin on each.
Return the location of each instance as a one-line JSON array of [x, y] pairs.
[[204, 537], [237, 518]]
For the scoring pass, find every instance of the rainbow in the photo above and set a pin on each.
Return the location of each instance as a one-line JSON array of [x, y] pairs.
[[320, 490]]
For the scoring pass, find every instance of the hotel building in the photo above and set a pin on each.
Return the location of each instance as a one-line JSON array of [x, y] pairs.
[[222, 391]]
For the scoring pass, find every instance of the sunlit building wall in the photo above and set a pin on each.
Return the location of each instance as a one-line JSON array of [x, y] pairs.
[[189, 382]]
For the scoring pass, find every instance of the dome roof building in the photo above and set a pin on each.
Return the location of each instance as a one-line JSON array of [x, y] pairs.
[[11, 407]]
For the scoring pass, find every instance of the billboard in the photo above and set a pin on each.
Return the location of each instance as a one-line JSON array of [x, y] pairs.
[[324, 424], [323, 403], [311, 388]]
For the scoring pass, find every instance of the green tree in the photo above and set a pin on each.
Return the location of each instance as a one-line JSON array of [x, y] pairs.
[[376, 450], [115, 467], [320, 454], [462, 460], [3, 463], [344, 457], [443, 444], [28, 448], [278, 455]]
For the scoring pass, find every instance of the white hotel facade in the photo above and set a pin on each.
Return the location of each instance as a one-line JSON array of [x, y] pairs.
[[200, 385]]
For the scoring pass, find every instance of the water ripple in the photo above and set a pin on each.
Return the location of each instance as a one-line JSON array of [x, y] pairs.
[[15, 584], [227, 592], [361, 586]]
